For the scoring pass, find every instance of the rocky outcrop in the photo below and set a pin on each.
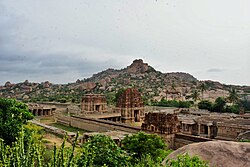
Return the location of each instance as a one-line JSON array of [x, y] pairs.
[[137, 67], [218, 153]]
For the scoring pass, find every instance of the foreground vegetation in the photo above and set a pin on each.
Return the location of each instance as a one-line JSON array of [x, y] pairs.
[[100, 151]]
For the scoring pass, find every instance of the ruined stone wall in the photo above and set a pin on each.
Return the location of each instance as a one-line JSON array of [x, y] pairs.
[[230, 131], [96, 125], [161, 123], [181, 140]]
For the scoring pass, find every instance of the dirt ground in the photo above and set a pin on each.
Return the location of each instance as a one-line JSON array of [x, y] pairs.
[[50, 140]]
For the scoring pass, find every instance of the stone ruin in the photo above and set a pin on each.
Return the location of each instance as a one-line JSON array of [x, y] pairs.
[[93, 103], [130, 105], [41, 110], [161, 123]]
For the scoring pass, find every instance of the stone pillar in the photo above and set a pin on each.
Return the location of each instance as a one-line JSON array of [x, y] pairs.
[[190, 129], [36, 112], [199, 129], [208, 131]]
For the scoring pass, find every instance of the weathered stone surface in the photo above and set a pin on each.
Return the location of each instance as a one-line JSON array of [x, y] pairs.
[[93, 103], [244, 136], [218, 153], [131, 106], [137, 67], [161, 123]]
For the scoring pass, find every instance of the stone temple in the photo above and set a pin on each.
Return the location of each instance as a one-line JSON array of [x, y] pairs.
[[130, 105], [93, 103]]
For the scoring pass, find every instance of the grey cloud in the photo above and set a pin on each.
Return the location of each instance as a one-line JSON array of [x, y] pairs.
[[43, 41], [215, 70]]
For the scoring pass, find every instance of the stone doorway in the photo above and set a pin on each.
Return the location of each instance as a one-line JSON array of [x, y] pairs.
[[97, 108], [206, 130], [137, 115]]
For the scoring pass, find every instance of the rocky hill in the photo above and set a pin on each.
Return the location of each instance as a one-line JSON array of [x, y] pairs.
[[153, 84]]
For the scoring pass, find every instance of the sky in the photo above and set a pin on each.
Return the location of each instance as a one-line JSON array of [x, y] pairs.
[[61, 41]]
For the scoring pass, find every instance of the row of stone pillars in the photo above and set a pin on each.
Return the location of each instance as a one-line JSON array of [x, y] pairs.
[[42, 112], [188, 127]]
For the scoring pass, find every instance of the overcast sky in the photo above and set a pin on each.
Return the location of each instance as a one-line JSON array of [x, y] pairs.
[[62, 41]]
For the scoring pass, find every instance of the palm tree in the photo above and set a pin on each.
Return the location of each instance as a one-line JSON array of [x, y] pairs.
[[203, 88], [195, 95], [233, 96]]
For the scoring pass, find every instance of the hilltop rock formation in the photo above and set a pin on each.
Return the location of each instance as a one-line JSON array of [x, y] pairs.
[[218, 153], [137, 67]]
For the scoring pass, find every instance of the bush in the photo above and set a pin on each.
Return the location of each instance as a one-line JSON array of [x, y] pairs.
[[232, 109], [141, 144], [102, 150], [219, 105], [172, 103], [13, 115], [187, 161], [205, 104]]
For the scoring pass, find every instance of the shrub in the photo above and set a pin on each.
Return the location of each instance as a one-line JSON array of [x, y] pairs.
[[187, 161], [205, 104]]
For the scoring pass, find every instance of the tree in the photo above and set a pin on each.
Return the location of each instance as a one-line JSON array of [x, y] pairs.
[[203, 88], [195, 95], [13, 115], [219, 105], [233, 96], [102, 150], [205, 104], [141, 144], [118, 94]]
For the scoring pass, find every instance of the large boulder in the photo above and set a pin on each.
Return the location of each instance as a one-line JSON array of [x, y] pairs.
[[218, 153]]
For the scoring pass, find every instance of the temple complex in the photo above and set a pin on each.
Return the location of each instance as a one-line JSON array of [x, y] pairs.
[[93, 103], [131, 106]]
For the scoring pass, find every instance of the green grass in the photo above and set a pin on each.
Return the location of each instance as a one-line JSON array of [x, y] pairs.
[[67, 128], [244, 140], [46, 120]]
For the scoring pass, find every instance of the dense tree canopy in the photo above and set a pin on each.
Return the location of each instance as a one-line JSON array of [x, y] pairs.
[[205, 104], [102, 150], [219, 104], [13, 115], [141, 144]]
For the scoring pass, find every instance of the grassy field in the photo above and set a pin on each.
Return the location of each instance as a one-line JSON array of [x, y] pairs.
[[68, 128]]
